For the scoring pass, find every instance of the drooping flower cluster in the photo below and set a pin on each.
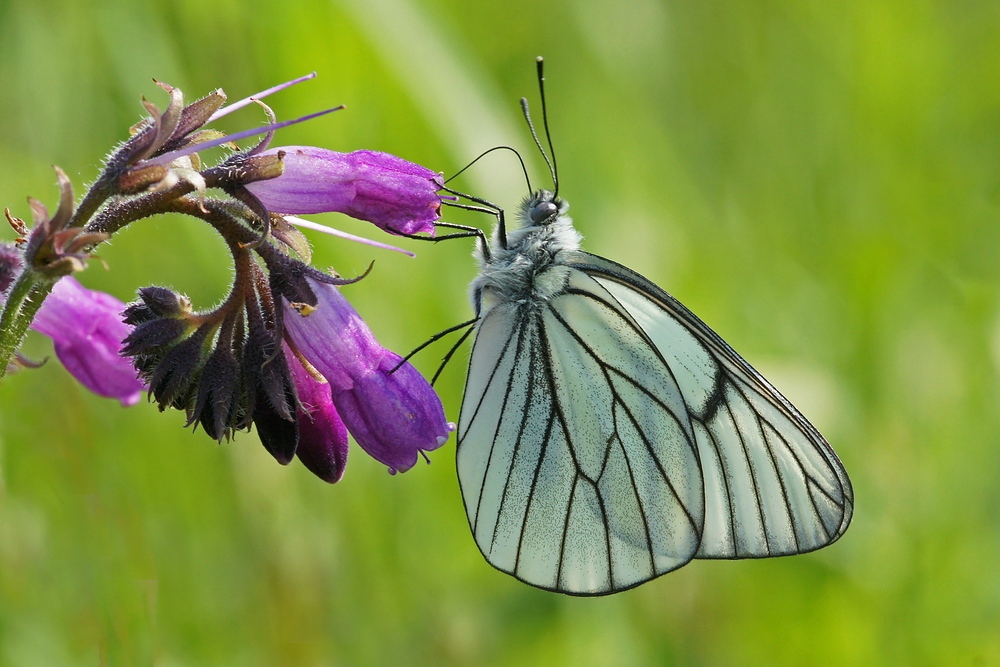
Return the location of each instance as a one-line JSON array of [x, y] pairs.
[[284, 352]]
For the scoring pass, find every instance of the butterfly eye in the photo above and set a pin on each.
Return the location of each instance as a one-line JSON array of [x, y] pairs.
[[543, 211]]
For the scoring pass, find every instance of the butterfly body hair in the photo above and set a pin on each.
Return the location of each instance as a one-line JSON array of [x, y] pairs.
[[529, 269]]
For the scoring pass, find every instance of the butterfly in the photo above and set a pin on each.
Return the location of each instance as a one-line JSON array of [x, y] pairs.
[[608, 436]]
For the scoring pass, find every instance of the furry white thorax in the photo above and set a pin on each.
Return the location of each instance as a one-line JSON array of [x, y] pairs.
[[531, 269]]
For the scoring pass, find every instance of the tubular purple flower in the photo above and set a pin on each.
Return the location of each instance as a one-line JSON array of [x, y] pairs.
[[394, 194], [87, 330], [393, 416], [322, 434]]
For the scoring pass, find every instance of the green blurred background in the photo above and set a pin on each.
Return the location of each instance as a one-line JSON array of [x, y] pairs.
[[819, 181]]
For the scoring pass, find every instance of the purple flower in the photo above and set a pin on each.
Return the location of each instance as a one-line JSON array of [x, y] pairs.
[[87, 330], [397, 196], [10, 264], [393, 415], [322, 434]]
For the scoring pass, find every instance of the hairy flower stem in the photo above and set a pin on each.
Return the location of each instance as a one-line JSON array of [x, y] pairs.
[[92, 201], [223, 314], [214, 213], [32, 286], [120, 214], [104, 186], [25, 298]]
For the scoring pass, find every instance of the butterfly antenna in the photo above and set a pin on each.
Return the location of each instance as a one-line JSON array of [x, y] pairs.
[[545, 123], [487, 152], [534, 135]]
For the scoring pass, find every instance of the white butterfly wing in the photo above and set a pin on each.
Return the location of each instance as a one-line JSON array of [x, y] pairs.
[[609, 436], [576, 477], [773, 485]]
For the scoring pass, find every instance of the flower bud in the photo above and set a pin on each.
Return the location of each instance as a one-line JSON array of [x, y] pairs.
[[322, 434]]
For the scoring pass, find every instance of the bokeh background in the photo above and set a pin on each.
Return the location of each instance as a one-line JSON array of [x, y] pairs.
[[819, 181]]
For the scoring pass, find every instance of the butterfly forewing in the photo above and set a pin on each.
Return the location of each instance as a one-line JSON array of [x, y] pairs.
[[585, 480], [489, 382]]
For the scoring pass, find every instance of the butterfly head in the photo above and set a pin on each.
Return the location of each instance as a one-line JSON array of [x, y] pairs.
[[543, 208]]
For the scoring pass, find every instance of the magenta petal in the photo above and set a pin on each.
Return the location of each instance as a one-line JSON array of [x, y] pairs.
[[10, 263], [394, 194], [315, 180], [393, 416], [322, 434], [334, 338], [86, 329]]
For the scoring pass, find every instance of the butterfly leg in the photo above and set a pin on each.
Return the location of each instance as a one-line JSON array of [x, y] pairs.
[[436, 337], [466, 232], [486, 207], [451, 352]]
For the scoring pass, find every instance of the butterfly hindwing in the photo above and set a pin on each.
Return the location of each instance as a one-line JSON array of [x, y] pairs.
[[773, 485]]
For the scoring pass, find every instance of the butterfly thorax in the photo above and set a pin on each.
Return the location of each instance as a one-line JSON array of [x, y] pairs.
[[531, 268]]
